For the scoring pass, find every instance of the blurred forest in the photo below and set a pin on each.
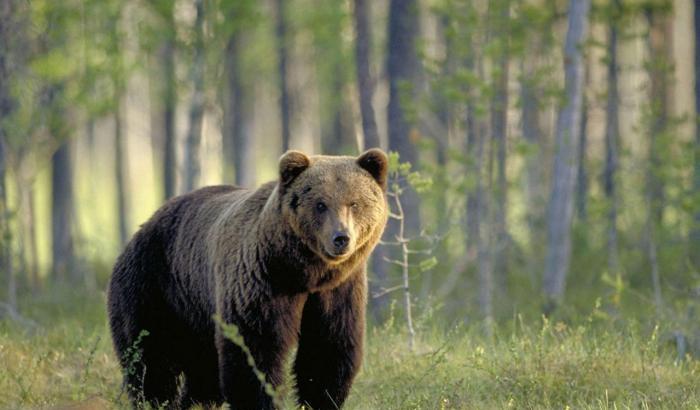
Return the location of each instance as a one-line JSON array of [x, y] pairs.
[[555, 141]]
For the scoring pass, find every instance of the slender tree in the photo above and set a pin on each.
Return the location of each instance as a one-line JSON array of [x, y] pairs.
[[365, 83], [7, 264], [474, 143], [62, 205], [474, 150], [582, 169], [238, 144], [500, 16], [365, 86], [659, 68], [169, 106], [63, 257], [695, 233], [402, 72], [120, 173], [564, 172], [120, 159], [196, 117], [282, 61], [164, 104], [332, 65], [612, 136], [6, 108], [484, 162]]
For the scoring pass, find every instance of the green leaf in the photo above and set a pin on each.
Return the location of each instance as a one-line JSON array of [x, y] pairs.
[[427, 264]]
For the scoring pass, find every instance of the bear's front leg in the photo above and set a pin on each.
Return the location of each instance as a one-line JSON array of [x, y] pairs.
[[330, 344], [241, 387]]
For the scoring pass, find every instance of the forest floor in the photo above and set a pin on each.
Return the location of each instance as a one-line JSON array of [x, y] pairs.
[[67, 362]]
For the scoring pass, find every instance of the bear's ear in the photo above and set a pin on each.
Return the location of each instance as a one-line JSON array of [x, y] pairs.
[[376, 163], [292, 163]]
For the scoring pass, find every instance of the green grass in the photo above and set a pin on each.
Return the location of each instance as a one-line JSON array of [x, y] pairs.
[[598, 364]]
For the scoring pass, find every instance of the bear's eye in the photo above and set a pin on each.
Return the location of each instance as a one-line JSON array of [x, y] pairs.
[[321, 207], [355, 206]]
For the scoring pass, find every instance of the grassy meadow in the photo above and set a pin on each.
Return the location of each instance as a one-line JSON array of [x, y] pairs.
[[65, 360]]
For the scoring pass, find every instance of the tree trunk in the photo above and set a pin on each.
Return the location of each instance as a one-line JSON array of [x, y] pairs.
[[482, 232], [695, 233], [282, 60], [194, 135], [6, 243], [485, 235], [239, 144], [365, 83], [474, 152], [334, 134], [612, 141], [659, 43], [499, 125], [6, 108], [582, 171], [33, 257], [564, 172], [169, 102], [120, 173], [402, 72], [365, 86], [62, 209]]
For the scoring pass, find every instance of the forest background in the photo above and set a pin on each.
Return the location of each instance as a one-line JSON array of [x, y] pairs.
[[553, 185]]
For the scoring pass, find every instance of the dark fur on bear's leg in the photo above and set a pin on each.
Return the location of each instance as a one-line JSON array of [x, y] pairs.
[[329, 355], [239, 384], [268, 346], [153, 382], [149, 374], [201, 374]]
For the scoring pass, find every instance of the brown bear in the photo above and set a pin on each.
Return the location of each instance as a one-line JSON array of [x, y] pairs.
[[284, 263]]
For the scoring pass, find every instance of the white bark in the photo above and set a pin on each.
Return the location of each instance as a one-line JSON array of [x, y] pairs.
[[564, 172]]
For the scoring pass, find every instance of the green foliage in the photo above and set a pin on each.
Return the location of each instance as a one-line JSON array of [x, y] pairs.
[[400, 173], [427, 264]]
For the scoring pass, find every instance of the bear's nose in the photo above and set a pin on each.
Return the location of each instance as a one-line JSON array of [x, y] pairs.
[[340, 240]]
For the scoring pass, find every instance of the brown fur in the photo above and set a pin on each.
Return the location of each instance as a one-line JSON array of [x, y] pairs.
[[284, 263]]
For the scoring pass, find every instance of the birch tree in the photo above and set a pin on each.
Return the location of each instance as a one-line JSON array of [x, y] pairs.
[[566, 152]]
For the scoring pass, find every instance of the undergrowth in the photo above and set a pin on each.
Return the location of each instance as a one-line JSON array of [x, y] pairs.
[[594, 363]]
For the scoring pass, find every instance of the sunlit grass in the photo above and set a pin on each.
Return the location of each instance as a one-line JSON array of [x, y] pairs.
[[596, 364], [538, 366]]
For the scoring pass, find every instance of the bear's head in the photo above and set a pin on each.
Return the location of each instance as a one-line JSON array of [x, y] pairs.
[[334, 204]]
